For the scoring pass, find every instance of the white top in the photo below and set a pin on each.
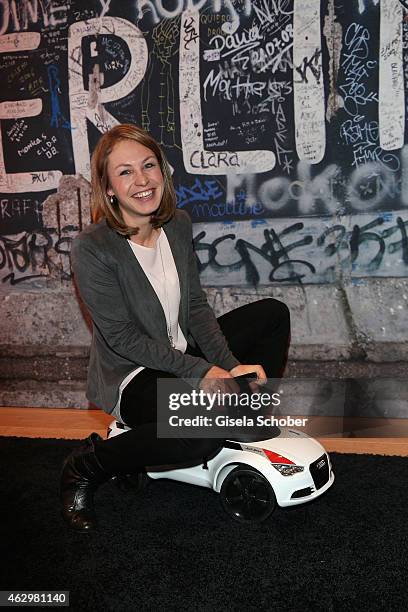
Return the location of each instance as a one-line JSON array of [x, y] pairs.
[[158, 264]]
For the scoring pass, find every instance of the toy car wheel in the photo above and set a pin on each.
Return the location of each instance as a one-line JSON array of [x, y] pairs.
[[247, 496]]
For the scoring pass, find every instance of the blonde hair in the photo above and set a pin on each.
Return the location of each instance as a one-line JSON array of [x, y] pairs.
[[101, 203]]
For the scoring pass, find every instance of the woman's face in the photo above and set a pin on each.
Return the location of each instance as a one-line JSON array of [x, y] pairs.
[[135, 178]]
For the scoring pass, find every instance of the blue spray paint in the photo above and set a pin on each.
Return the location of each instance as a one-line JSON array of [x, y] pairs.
[[57, 117]]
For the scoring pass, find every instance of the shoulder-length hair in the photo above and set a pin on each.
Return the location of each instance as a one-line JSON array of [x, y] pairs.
[[103, 205]]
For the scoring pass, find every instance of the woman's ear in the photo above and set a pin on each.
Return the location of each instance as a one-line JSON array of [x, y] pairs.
[[109, 191]]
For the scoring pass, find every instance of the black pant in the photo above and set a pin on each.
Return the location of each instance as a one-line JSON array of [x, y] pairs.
[[256, 333]]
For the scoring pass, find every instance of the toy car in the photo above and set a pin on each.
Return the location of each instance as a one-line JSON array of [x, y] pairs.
[[287, 469]]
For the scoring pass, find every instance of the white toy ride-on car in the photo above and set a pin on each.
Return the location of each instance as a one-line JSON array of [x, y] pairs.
[[287, 469]]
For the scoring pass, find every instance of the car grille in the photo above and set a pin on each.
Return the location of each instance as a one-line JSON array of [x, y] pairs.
[[319, 470]]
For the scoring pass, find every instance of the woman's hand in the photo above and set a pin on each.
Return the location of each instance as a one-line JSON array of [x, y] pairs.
[[218, 379], [216, 372], [243, 369]]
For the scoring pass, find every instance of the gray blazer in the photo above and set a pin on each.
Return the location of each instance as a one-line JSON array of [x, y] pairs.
[[129, 325]]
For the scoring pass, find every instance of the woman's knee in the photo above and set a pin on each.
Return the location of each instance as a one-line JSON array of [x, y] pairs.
[[271, 309]]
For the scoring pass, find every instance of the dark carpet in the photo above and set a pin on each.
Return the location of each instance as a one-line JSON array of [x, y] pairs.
[[173, 547]]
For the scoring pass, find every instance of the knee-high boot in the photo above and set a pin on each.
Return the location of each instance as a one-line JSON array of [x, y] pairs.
[[82, 473]]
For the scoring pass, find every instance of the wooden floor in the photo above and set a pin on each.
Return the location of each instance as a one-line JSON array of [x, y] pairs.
[[374, 436], [67, 423]]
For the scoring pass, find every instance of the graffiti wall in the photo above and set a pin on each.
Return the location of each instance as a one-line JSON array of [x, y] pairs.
[[283, 121]]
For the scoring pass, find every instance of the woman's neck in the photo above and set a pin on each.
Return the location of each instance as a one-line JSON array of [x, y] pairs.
[[146, 236]]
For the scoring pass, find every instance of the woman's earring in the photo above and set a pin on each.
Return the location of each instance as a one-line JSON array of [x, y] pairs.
[[112, 200]]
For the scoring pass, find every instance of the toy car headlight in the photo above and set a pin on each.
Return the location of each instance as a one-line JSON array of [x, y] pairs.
[[284, 465], [288, 470]]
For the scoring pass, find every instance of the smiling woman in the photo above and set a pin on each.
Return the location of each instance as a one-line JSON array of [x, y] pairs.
[[136, 181], [137, 274], [131, 182]]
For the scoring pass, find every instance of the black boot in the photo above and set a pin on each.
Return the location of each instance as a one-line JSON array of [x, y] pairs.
[[81, 475]]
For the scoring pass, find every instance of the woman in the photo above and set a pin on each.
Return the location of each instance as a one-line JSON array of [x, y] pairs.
[[136, 272]]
